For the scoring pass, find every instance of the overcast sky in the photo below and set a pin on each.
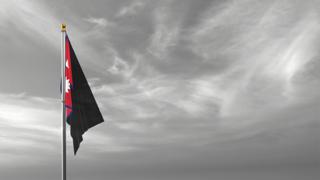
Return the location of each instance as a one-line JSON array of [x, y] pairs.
[[189, 89]]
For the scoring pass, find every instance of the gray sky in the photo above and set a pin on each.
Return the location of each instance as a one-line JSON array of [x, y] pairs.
[[188, 89]]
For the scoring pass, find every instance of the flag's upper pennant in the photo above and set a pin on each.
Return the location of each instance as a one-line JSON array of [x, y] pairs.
[[82, 111]]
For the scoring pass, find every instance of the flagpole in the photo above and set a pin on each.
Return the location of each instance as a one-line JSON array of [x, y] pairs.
[[63, 85]]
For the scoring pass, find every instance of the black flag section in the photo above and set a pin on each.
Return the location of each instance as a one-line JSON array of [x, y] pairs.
[[83, 111]]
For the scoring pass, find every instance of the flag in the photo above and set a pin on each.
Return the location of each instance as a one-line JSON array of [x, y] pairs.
[[82, 111]]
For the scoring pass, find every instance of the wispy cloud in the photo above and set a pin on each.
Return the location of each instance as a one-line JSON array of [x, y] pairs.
[[255, 53], [130, 9], [32, 18], [35, 20], [100, 22], [219, 84], [165, 34], [28, 123]]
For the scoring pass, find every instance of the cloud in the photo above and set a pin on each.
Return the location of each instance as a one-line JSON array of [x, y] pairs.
[[261, 63], [29, 124], [32, 130], [32, 18], [191, 86], [119, 66], [100, 22], [35, 20], [165, 33], [130, 9]]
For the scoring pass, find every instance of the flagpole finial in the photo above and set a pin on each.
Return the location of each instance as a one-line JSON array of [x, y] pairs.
[[63, 27]]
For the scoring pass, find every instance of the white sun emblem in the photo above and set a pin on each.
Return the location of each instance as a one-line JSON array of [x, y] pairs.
[[68, 85]]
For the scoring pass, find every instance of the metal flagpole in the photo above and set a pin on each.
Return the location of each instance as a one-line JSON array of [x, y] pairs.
[[63, 85]]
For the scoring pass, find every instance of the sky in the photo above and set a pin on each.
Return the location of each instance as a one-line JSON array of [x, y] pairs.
[[192, 90]]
